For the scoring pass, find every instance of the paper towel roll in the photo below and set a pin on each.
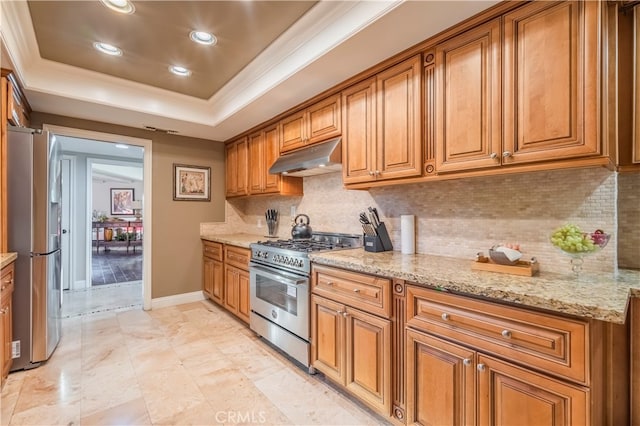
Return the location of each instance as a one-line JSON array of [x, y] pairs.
[[408, 233]]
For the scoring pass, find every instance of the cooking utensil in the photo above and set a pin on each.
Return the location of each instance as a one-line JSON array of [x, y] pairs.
[[272, 220], [301, 229]]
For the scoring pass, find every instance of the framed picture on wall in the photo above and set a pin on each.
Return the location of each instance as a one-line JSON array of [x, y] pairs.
[[122, 201], [191, 183]]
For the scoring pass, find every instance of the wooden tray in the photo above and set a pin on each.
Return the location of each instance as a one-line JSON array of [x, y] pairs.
[[527, 269]]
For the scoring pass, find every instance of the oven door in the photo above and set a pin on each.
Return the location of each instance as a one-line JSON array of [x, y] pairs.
[[281, 297]]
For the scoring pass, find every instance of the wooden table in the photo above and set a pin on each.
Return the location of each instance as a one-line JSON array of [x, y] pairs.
[[127, 226]]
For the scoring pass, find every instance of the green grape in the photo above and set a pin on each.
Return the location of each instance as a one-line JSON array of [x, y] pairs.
[[571, 239]]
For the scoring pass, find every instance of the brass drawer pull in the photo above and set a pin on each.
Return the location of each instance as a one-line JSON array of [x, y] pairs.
[[445, 316], [506, 334]]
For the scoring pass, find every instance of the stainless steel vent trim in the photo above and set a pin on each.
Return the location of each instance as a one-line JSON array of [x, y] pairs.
[[325, 157]]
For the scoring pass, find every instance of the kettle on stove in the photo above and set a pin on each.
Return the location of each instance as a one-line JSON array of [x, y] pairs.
[[301, 229]]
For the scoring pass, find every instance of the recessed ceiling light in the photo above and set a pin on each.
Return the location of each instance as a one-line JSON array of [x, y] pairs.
[[122, 146], [203, 37], [122, 6], [178, 70], [107, 48]]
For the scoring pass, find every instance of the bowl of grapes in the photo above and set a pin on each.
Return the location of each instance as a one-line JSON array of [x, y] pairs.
[[577, 244]]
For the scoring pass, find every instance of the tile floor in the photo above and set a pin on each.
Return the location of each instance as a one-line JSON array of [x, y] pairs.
[[102, 298], [115, 266], [192, 364]]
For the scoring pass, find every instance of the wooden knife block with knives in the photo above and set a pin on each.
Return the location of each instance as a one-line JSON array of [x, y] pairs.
[[376, 236]]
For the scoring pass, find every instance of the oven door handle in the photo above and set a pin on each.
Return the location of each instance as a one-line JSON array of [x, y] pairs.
[[278, 277]]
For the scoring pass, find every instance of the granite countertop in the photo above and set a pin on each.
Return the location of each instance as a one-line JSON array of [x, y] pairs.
[[239, 240], [7, 258], [598, 296]]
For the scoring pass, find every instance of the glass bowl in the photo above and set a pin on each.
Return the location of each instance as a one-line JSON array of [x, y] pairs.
[[600, 240]]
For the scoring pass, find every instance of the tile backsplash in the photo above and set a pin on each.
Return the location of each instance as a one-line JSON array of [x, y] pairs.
[[462, 217]]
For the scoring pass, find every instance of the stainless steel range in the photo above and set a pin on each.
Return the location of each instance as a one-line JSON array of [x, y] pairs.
[[280, 272]]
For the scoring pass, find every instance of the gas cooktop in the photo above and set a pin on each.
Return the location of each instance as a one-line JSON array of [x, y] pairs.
[[292, 254]]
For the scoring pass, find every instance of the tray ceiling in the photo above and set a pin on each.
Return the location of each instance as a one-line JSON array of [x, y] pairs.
[[270, 56]]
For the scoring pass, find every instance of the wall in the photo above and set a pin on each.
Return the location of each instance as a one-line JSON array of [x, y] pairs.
[[176, 251], [459, 218], [101, 194]]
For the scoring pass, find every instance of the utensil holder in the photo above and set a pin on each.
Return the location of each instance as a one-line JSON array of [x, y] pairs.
[[380, 242], [271, 227]]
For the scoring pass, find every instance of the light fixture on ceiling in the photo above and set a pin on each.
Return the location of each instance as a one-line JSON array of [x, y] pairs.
[[107, 48], [203, 37], [178, 70], [122, 146], [121, 6]]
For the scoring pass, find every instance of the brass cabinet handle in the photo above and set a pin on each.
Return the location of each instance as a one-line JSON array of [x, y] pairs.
[[445, 316], [506, 334], [356, 290], [466, 362], [480, 367]]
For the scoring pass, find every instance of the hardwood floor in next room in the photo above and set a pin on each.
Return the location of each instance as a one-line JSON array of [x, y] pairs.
[[188, 364]]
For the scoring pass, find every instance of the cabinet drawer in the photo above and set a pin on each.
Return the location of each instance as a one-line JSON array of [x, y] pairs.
[[212, 249], [367, 292], [237, 256], [6, 280], [549, 343]]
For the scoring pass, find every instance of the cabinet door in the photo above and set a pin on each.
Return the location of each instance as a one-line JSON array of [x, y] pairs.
[[6, 314], [292, 132], [231, 288], [359, 136], [244, 308], [509, 395], [399, 115], [324, 120], [468, 100], [636, 77], [441, 380], [217, 286], [207, 276], [256, 163], [236, 162], [551, 69], [368, 347], [271, 152], [327, 338]]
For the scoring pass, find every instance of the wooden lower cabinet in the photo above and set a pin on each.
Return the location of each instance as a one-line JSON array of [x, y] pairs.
[[213, 279], [225, 277], [6, 315], [451, 384], [441, 381], [236, 292], [353, 348], [510, 395], [634, 320]]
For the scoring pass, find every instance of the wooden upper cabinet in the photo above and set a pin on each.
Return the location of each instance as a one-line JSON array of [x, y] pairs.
[[236, 162], [551, 81], [468, 100], [264, 149], [399, 127], [636, 79], [382, 136], [317, 123], [359, 135]]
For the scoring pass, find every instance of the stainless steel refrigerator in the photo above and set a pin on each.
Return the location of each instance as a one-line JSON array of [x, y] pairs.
[[34, 188]]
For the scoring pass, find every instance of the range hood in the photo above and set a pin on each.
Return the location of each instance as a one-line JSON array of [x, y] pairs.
[[325, 157]]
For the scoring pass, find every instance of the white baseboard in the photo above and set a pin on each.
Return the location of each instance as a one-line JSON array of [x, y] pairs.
[[177, 299]]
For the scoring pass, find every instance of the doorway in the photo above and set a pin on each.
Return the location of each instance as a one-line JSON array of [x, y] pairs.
[[79, 214]]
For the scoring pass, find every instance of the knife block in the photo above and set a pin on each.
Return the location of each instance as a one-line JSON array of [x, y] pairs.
[[380, 242]]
